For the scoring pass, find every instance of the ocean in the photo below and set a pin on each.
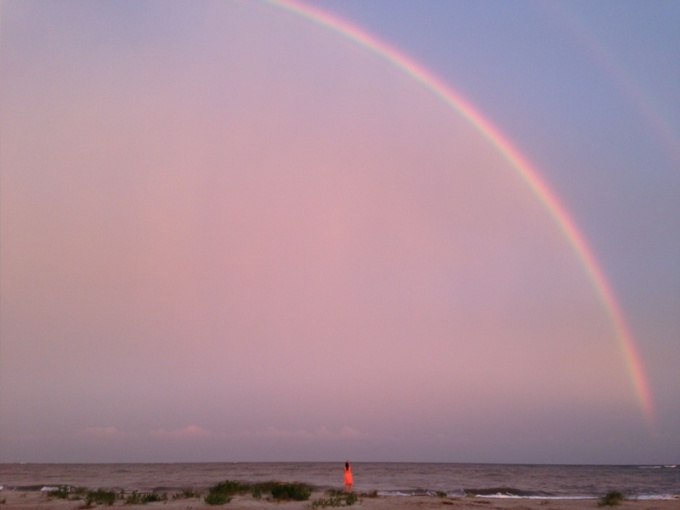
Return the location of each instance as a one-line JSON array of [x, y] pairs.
[[390, 479]]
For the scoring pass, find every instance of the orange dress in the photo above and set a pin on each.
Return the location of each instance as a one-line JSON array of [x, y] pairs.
[[348, 476]]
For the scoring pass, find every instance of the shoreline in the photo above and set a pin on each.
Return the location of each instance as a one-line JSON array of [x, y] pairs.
[[14, 499]]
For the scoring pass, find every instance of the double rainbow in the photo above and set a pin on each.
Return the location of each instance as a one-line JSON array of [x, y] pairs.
[[520, 164]]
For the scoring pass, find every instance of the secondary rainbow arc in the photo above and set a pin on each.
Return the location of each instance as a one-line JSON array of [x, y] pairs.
[[519, 163]]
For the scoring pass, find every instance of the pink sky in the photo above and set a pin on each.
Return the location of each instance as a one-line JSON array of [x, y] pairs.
[[250, 239]]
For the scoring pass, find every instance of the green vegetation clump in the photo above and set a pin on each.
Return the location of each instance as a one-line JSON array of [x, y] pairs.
[[143, 498], [326, 502], [100, 497], [337, 498], [217, 498], [351, 498], [612, 498], [63, 492], [186, 494], [295, 491], [257, 492], [223, 492], [231, 487], [153, 497], [258, 489], [135, 498]]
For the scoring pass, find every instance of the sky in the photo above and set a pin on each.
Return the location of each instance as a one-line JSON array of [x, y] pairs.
[[263, 231]]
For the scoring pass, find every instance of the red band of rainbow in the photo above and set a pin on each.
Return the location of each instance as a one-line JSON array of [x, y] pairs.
[[521, 165]]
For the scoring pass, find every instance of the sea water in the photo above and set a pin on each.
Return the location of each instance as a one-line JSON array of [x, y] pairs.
[[390, 479]]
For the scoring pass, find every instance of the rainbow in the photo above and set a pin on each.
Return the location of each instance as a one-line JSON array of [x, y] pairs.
[[520, 164], [626, 83]]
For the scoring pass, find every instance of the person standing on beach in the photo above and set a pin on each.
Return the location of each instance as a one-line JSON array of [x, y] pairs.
[[348, 477]]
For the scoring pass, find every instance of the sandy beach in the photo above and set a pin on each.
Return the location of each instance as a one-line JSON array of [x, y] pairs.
[[36, 500]]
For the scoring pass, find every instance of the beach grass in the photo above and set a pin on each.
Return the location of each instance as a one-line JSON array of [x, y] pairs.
[[291, 491], [223, 492], [108, 497], [187, 494], [100, 497], [336, 498], [34, 499], [142, 498], [612, 498], [217, 498]]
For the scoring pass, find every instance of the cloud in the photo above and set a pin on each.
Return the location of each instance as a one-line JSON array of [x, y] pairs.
[[190, 431], [103, 433]]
